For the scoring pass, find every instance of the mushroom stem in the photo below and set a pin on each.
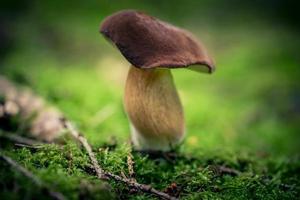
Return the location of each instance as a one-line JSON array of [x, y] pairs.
[[154, 109]]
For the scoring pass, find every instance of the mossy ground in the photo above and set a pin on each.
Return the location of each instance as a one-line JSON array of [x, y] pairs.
[[244, 117]]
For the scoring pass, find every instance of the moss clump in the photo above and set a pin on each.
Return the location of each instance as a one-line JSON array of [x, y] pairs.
[[62, 168]]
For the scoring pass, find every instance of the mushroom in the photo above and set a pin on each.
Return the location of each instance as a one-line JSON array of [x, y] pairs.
[[151, 101]]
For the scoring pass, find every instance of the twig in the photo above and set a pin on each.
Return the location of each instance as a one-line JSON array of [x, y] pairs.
[[227, 170], [32, 177], [101, 174], [85, 144], [221, 170], [30, 146], [20, 139], [123, 175], [141, 187], [130, 164]]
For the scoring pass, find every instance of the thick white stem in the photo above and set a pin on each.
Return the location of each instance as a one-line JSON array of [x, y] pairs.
[[154, 109]]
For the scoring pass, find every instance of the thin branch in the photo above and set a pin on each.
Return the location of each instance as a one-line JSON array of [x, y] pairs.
[[29, 146], [221, 170], [130, 164], [141, 187], [85, 144], [101, 174], [32, 177], [19, 139], [226, 170]]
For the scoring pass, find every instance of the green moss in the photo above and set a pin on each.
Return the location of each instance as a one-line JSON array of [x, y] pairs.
[[66, 172], [67, 169]]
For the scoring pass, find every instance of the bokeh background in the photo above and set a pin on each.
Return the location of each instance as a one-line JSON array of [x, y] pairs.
[[250, 104]]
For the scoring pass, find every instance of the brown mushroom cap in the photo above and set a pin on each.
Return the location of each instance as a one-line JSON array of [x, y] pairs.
[[147, 42]]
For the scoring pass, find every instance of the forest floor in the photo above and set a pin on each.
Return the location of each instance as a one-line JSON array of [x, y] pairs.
[[242, 122]]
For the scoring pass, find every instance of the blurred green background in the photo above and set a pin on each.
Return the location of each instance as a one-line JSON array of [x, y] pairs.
[[250, 104]]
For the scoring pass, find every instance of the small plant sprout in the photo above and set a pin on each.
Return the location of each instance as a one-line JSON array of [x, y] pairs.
[[153, 47]]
